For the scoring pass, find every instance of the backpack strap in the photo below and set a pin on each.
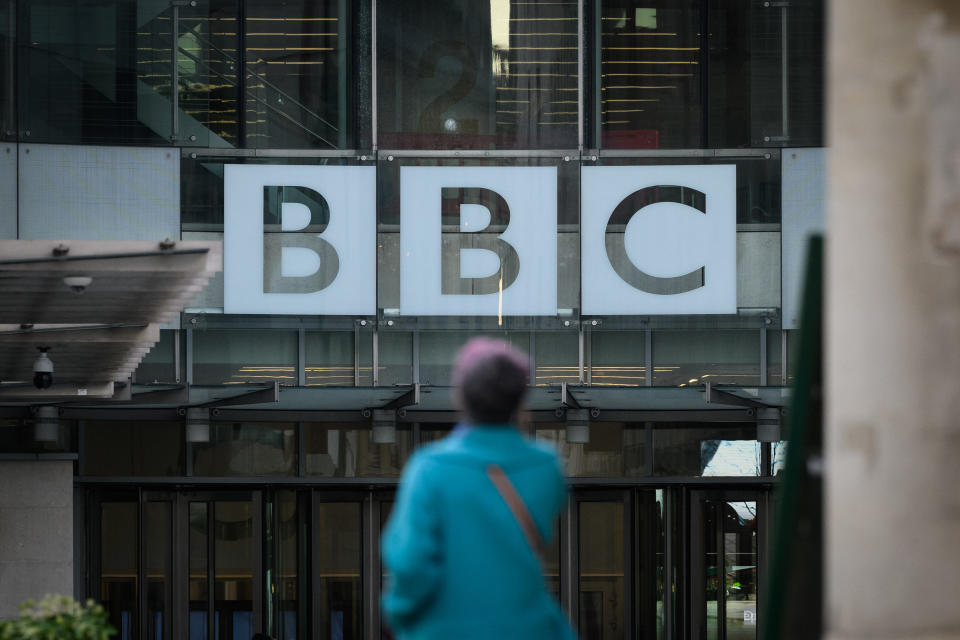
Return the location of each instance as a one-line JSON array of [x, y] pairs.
[[518, 508]]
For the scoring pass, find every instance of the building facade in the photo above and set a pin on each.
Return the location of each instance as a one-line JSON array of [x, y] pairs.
[[622, 189]]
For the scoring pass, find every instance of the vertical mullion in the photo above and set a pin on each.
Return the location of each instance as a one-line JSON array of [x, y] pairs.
[[257, 560], [376, 357], [415, 356], [570, 588], [783, 357], [301, 449], [140, 615], [316, 592], [211, 569], [533, 358], [373, 78], [763, 357], [580, 54], [648, 356], [241, 74], [630, 557], [301, 357], [704, 74], [356, 355], [371, 564], [188, 357], [718, 522], [580, 354]]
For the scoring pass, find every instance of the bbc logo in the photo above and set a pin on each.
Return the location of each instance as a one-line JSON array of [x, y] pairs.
[[480, 241]]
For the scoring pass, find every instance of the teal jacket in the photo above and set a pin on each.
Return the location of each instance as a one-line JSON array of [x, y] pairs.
[[459, 563]]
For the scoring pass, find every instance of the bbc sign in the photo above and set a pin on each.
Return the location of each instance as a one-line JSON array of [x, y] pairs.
[[480, 241]]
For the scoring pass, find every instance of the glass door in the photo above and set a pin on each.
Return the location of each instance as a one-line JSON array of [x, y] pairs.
[[223, 557], [727, 531]]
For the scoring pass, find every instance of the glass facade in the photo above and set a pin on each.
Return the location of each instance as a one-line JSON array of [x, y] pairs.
[[267, 522]]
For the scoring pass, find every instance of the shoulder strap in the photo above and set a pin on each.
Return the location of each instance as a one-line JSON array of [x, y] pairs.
[[517, 507]]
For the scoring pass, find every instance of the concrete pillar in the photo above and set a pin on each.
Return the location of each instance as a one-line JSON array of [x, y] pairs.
[[36, 532], [893, 320]]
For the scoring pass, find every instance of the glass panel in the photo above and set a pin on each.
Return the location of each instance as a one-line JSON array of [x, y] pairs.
[[740, 564], [793, 353], [439, 348], [158, 364], [285, 539], [329, 358], [395, 360], [236, 357], [233, 569], [22, 435], [433, 432], [199, 579], [617, 358], [661, 558], [711, 570], [601, 570], [615, 449], [386, 507], [348, 451], [774, 357], [479, 75], [682, 358], [650, 74], [8, 43], [95, 71], [339, 561], [119, 448], [118, 566], [706, 450], [365, 358], [297, 76], [557, 357], [247, 449], [157, 553], [778, 454]]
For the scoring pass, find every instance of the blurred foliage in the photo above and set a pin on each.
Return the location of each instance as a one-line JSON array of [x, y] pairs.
[[58, 618]]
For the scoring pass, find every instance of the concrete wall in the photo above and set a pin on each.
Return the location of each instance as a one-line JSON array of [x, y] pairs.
[[36, 531]]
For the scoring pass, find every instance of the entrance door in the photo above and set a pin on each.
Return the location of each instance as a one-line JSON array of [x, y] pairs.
[[727, 531]]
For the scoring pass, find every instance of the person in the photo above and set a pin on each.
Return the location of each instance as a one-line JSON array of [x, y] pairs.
[[461, 544]]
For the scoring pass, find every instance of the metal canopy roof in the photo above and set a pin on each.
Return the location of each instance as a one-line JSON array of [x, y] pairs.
[[98, 336]]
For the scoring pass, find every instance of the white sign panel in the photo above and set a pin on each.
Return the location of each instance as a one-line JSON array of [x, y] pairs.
[[659, 240], [321, 256], [478, 241]]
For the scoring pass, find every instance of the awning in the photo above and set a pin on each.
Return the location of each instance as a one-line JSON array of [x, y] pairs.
[[99, 324]]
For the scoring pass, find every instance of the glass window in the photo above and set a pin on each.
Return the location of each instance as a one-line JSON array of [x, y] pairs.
[[121, 448], [778, 455], [26, 436], [477, 75], [329, 358], [615, 449], [8, 39], [439, 348], [284, 522], [118, 566], [247, 449], [557, 357], [706, 450], [236, 357], [157, 554], [159, 365], [395, 358], [659, 84], [339, 560], [95, 71], [617, 358], [774, 357], [602, 566], [233, 567], [689, 358], [348, 451], [299, 74]]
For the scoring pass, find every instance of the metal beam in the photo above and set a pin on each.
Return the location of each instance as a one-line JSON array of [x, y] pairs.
[[716, 396], [408, 399], [258, 396]]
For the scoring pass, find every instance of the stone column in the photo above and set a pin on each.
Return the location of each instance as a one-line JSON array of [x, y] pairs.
[[893, 320], [36, 531]]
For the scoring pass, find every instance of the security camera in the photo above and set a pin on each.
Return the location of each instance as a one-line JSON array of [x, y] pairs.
[[43, 370], [77, 284]]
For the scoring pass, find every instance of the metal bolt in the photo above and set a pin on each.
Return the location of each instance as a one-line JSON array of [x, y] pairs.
[[594, 323], [363, 323], [766, 138], [390, 158], [566, 323], [566, 158], [767, 156], [27, 133], [193, 138], [362, 158], [594, 158], [193, 155], [389, 323]]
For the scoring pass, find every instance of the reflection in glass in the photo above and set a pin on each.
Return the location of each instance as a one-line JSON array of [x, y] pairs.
[[395, 359], [233, 569], [740, 568], [439, 348], [778, 454], [650, 75], [697, 449], [158, 364], [615, 449], [246, 449], [774, 357], [199, 582], [329, 358], [557, 357], [617, 358], [157, 555], [283, 544], [712, 571], [121, 448], [477, 74], [8, 39], [602, 604], [339, 561], [689, 358], [238, 357], [118, 566], [348, 451]]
